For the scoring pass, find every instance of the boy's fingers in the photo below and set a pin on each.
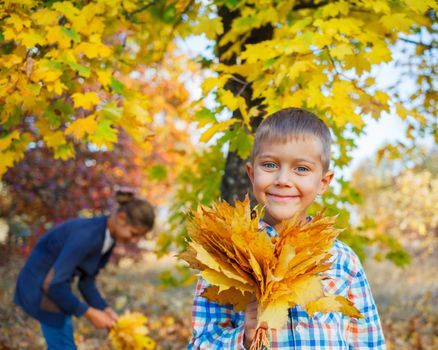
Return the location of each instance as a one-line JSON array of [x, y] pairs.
[[251, 307]]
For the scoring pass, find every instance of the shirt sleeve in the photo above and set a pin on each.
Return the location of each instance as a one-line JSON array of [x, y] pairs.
[[57, 283], [365, 333], [88, 289], [215, 326]]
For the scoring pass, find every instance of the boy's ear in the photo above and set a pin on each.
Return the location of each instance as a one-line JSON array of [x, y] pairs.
[[325, 181], [250, 171]]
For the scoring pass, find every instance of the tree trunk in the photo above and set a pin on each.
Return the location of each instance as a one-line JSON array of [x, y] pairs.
[[235, 182]]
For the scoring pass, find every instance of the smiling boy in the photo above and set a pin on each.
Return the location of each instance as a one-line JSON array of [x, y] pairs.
[[288, 168]]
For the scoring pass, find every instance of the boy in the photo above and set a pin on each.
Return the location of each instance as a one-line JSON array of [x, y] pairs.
[[77, 248], [288, 168]]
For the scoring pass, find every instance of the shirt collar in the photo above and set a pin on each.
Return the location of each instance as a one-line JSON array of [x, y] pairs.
[[108, 241], [263, 226]]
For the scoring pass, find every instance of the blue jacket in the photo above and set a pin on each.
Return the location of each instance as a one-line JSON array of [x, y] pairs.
[[66, 251]]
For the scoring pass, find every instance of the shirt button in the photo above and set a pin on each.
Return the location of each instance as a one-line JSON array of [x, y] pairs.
[[299, 327]]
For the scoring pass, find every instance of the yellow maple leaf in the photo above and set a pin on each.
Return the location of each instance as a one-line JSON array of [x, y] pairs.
[[333, 303], [240, 262], [86, 101], [216, 128], [56, 36], [6, 161], [18, 22], [80, 127], [54, 139], [45, 17], [104, 77], [341, 50], [397, 21], [230, 296], [45, 72], [211, 27], [5, 142], [229, 100], [130, 333], [93, 50], [31, 38], [67, 8]]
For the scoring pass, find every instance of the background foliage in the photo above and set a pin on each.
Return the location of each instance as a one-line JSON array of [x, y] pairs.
[[97, 94]]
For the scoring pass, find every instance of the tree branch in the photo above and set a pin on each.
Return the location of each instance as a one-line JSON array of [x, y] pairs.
[[410, 41], [131, 14], [309, 5]]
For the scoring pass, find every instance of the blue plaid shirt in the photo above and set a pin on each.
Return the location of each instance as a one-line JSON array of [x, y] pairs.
[[218, 326]]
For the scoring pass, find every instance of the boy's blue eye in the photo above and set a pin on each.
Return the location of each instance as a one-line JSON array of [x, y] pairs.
[[269, 165], [301, 169]]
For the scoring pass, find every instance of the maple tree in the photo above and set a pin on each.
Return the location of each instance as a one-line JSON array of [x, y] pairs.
[[44, 189], [74, 71], [48, 190], [319, 55], [237, 262]]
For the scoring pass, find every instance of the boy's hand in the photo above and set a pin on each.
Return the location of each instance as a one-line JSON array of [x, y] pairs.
[[251, 321], [99, 318], [111, 313]]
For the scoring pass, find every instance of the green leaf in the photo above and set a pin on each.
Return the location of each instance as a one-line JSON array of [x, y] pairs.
[[14, 119], [157, 173], [242, 143], [105, 134], [231, 4], [111, 111], [58, 112], [35, 88], [63, 107], [399, 257], [64, 151], [204, 116], [117, 86], [269, 62], [72, 34], [169, 15], [83, 71], [55, 64]]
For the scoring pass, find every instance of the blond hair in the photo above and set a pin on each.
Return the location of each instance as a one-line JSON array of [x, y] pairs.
[[292, 123]]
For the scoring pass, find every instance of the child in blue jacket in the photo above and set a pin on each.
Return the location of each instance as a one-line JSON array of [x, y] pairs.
[[76, 248]]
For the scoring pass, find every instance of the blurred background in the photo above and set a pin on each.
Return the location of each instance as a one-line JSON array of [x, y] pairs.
[[161, 99]]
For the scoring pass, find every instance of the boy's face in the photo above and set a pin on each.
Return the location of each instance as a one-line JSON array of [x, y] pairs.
[[123, 232], [286, 177]]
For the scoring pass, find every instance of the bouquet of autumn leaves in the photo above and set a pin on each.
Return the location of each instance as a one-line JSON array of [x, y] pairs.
[[238, 261]]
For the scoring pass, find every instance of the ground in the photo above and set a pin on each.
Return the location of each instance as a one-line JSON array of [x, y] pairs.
[[406, 298]]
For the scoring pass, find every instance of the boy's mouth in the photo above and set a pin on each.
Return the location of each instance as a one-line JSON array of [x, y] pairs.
[[281, 197]]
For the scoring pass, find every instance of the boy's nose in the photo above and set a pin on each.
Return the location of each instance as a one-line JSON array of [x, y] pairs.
[[283, 178]]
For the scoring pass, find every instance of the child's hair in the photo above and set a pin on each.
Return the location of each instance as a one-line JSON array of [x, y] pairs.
[[139, 212], [291, 123]]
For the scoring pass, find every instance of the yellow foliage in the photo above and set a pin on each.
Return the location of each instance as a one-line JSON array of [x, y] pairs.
[[6, 141], [86, 101], [130, 333], [211, 131], [55, 50], [237, 261], [210, 27], [80, 127]]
